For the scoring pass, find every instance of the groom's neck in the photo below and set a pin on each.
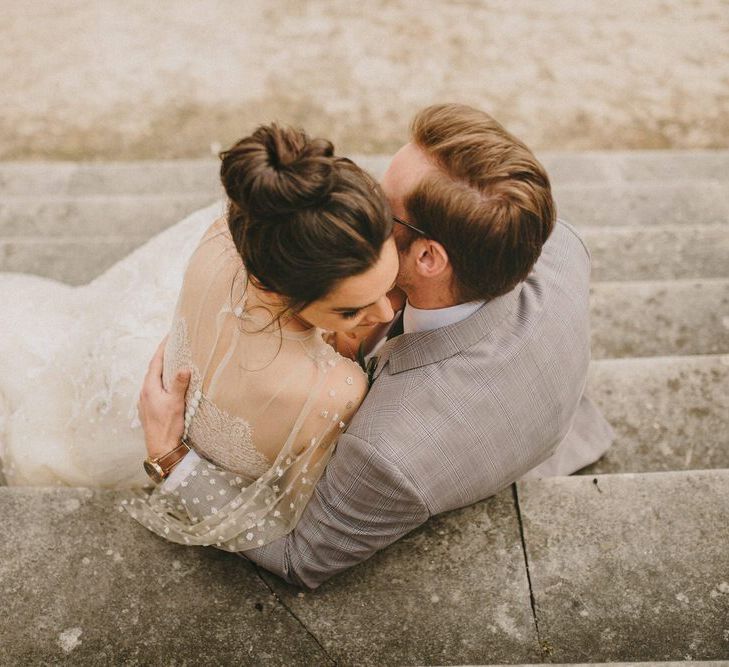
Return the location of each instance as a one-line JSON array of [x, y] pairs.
[[428, 297]]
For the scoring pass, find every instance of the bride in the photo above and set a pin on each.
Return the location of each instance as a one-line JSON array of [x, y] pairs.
[[303, 247]]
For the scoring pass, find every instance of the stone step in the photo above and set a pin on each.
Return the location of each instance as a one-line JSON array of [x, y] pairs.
[[628, 318], [659, 318], [81, 584], [63, 215], [658, 252], [668, 413], [665, 203], [74, 261], [631, 568], [618, 253], [170, 176], [635, 166], [109, 178]]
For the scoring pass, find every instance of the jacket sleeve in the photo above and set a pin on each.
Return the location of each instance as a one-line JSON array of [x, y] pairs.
[[361, 504]]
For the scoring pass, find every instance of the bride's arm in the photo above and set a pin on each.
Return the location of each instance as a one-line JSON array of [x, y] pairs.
[[162, 411], [186, 507]]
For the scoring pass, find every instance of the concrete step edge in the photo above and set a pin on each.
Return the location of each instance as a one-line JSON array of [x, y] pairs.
[[722, 359], [658, 282], [666, 663], [115, 197], [567, 479], [637, 187], [642, 154]]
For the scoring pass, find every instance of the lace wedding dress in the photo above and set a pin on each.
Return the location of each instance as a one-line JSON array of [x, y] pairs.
[[264, 406]]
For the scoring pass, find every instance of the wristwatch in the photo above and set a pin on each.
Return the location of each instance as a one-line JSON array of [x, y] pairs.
[[161, 467]]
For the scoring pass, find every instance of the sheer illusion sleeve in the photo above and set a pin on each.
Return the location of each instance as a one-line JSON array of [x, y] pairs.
[[214, 506], [264, 409]]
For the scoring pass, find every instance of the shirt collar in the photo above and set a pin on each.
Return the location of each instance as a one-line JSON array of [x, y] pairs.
[[426, 347], [416, 320]]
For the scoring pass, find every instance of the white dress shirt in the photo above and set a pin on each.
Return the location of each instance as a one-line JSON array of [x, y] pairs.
[[418, 319]]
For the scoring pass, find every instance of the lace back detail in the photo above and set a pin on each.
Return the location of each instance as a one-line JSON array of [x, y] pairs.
[[265, 408], [223, 439]]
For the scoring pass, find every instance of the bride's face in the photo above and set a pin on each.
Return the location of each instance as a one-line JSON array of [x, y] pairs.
[[360, 300]]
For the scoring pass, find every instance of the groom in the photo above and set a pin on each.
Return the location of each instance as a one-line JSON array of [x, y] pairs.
[[484, 386]]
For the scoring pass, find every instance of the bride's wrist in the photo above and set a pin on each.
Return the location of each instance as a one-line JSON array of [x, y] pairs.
[[159, 467], [156, 451]]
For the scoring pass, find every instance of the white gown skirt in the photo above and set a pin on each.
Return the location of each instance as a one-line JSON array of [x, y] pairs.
[[72, 360]]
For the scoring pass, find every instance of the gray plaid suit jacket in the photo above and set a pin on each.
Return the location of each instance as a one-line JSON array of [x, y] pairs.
[[455, 415]]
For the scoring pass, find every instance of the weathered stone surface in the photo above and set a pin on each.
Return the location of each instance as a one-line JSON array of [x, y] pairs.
[[97, 215], [452, 592], [673, 164], [34, 178], [149, 178], [154, 82], [672, 203], [72, 261], [633, 567], [142, 177], [591, 167], [659, 318], [109, 178], [666, 663], [618, 253], [658, 252], [669, 413], [83, 584], [633, 177], [586, 167]]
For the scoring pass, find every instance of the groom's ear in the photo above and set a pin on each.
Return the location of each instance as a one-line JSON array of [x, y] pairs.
[[431, 259]]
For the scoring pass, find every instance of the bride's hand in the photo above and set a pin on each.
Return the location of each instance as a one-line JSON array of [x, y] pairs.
[[162, 412]]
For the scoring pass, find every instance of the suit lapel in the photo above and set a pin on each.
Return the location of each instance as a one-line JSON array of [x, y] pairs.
[[428, 347]]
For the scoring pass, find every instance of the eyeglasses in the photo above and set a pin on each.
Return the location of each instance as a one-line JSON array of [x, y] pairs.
[[408, 225]]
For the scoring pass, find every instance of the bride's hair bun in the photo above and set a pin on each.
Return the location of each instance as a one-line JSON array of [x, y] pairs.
[[277, 170], [301, 218]]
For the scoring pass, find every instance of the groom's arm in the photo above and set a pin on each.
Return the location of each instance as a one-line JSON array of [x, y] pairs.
[[361, 504]]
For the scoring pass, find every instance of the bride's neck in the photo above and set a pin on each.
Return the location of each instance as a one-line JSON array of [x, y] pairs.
[[274, 306]]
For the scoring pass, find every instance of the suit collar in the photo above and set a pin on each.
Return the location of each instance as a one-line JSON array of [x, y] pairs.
[[429, 347]]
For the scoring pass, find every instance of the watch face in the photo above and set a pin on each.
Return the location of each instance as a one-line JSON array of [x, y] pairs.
[[154, 471]]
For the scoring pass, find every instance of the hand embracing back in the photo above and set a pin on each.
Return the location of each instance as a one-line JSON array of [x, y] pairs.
[[161, 410]]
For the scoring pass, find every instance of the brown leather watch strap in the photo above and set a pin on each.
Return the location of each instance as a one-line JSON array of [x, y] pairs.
[[171, 459]]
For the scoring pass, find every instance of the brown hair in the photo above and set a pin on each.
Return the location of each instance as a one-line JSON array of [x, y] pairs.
[[301, 218], [489, 203]]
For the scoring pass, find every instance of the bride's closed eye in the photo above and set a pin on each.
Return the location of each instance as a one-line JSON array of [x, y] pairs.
[[350, 314]]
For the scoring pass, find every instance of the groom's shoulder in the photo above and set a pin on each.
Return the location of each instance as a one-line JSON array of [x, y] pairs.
[[564, 243], [551, 305]]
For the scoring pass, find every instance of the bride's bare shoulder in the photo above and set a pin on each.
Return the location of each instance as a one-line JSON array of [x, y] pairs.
[[218, 230], [348, 378], [214, 241]]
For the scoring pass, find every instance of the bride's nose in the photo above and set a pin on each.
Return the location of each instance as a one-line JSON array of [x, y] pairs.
[[382, 311]]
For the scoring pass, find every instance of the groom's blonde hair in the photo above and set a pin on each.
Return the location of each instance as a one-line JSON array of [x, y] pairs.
[[489, 203]]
